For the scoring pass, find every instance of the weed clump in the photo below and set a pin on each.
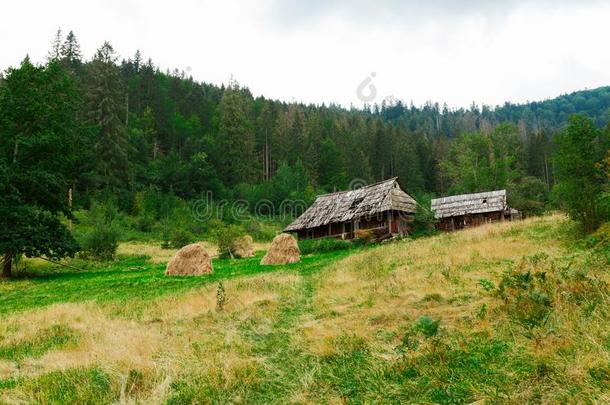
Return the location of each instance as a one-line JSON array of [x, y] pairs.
[[323, 245]]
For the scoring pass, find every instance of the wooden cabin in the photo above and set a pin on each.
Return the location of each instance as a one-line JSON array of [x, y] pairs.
[[384, 208], [470, 210]]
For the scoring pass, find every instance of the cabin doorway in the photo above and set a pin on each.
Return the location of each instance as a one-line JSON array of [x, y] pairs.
[[347, 230]]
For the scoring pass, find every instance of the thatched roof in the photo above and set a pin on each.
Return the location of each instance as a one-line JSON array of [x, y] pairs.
[[348, 205], [464, 204]]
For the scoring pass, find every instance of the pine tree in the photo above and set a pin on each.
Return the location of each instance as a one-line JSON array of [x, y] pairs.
[[581, 176], [55, 52], [70, 52], [106, 107], [236, 138]]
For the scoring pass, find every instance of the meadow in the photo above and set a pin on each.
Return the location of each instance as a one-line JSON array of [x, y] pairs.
[[509, 313]]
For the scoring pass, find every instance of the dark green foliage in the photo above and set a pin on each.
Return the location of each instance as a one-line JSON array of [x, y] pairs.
[[580, 171], [101, 241], [180, 238], [423, 221], [226, 235], [323, 245], [528, 195], [105, 100], [426, 326], [37, 127]]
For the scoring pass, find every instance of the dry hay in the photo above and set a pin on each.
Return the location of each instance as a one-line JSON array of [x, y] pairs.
[[244, 247], [191, 260], [284, 250]]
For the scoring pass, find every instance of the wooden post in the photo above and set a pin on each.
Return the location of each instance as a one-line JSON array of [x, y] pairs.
[[70, 207]]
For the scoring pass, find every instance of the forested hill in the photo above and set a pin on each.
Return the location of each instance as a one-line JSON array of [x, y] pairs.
[[143, 129], [536, 116]]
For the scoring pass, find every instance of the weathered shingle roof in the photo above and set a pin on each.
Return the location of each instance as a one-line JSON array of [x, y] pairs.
[[463, 204], [347, 205]]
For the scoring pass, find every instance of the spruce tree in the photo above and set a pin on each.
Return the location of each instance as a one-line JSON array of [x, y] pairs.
[[236, 138], [106, 107], [70, 53]]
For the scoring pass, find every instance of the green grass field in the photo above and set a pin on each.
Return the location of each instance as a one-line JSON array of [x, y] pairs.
[[509, 313]]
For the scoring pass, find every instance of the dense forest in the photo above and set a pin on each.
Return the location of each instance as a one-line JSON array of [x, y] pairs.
[[125, 130]]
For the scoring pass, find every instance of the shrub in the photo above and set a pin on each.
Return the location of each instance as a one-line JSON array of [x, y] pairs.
[[426, 326], [323, 245], [364, 237], [424, 221], [101, 243], [261, 231], [180, 238], [226, 236]]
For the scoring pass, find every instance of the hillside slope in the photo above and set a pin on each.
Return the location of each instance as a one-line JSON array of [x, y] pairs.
[[512, 312]]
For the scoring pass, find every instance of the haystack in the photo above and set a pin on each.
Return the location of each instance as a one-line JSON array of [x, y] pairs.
[[244, 247], [191, 260], [284, 249]]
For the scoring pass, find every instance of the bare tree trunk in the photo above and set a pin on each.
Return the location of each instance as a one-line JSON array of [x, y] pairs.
[[7, 262]]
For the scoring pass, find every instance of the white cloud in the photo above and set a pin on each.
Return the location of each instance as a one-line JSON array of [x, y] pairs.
[[446, 51]]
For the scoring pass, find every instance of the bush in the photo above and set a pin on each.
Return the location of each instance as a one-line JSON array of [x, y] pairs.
[[101, 243], [364, 237], [226, 236], [323, 245], [424, 222], [426, 326], [180, 238]]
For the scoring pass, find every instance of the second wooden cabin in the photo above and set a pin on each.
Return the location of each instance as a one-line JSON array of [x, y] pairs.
[[470, 210]]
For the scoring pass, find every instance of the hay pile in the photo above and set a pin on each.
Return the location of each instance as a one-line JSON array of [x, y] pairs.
[[244, 247], [284, 249], [191, 260]]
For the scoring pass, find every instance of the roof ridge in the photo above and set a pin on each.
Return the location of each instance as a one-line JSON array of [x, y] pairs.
[[466, 194], [356, 189]]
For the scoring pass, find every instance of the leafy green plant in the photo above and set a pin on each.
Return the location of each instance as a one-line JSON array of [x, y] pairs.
[[102, 241], [226, 236], [427, 326], [180, 238], [486, 284], [323, 245]]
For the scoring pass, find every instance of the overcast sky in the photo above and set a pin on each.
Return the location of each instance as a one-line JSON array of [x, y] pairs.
[[321, 51]]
